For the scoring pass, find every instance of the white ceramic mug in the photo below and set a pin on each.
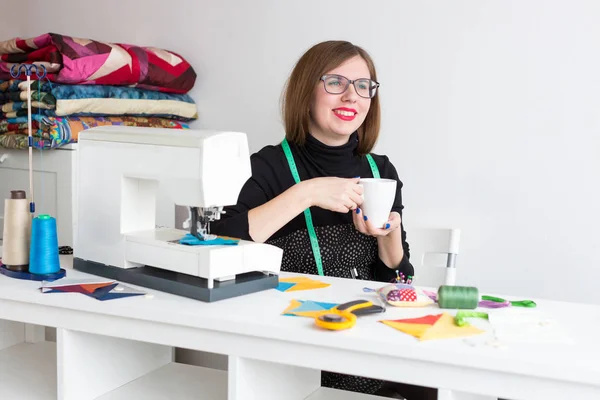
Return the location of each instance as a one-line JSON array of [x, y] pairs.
[[378, 198]]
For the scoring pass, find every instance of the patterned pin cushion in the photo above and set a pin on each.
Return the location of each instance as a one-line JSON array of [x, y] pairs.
[[403, 295]]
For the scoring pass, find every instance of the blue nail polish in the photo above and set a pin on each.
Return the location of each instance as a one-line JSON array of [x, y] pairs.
[[365, 217], [357, 176], [357, 210], [387, 226]]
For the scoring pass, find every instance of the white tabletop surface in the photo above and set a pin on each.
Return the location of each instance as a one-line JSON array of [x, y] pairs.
[[259, 315]]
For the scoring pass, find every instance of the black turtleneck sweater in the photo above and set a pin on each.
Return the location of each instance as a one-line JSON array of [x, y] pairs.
[[342, 246]]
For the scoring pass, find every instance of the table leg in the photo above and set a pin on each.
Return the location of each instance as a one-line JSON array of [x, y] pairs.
[[250, 379]]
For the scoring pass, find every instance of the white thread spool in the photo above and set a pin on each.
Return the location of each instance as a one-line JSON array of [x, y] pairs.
[[17, 232]]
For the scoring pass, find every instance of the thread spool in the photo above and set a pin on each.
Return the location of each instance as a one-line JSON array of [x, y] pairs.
[[458, 297], [17, 230], [43, 255]]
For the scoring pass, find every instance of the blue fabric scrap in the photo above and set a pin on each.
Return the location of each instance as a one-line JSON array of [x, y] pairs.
[[283, 286], [191, 240], [308, 305]]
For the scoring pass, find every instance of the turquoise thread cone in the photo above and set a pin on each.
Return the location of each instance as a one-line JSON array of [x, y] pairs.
[[43, 254]]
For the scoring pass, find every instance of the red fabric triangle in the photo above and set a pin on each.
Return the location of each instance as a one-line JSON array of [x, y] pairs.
[[427, 320]]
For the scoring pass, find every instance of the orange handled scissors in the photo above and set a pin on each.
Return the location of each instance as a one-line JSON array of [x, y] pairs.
[[344, 316]]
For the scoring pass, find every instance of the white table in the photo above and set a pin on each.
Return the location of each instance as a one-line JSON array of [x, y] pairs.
[[123, 349]]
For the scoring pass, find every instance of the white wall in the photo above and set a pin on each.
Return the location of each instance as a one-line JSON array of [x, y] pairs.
[[490, 109], [9, 25]]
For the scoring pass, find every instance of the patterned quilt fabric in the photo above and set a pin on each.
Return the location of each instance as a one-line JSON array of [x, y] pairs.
[[51, 99], [79, 61], [21, 96], [52, 132]]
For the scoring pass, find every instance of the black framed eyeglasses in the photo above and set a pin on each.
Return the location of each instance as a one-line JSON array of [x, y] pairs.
[[338, 84]]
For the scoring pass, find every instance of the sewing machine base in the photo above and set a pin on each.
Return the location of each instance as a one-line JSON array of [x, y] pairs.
[[179, 284]]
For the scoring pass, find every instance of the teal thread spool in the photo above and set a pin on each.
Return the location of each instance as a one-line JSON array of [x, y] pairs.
[[43, 255], [458, 297]]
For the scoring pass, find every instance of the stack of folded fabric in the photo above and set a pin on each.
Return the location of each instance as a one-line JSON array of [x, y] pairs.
[[90, 83]]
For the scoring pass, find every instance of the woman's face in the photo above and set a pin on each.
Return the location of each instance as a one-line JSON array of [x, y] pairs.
[[334, 117]]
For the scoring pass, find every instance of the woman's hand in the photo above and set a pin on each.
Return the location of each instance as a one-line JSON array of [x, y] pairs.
[[334, 194], [363, 225]]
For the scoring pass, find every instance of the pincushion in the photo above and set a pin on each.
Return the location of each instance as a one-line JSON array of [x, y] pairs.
[[403, 295]]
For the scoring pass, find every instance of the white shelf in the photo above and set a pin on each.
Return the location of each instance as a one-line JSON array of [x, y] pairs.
[[174, 381], [334, 394], [28, 371]]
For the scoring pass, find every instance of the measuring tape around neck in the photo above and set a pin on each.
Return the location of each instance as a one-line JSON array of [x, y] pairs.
[[307, 214]]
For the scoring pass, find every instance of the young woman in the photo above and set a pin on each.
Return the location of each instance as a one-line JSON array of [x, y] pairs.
[[331, 115]]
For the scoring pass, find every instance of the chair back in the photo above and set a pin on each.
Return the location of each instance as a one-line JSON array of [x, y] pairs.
[[433, 253]]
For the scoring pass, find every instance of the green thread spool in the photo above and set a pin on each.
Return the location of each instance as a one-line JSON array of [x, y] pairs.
[[458, 297]]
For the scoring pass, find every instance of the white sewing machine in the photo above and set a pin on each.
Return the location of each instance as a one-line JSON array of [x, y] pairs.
[[121, 170]]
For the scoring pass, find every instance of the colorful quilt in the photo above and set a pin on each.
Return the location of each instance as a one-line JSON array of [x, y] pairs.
[[79, 61], [52, 99], [17, 96], [53, 132]]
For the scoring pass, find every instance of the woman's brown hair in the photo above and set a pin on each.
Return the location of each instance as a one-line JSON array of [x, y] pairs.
[[297, 95]]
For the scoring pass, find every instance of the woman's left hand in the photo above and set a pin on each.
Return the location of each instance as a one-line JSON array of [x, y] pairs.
[[368, 229]]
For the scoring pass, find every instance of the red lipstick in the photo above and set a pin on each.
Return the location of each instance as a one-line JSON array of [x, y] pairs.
[[346, 111]]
